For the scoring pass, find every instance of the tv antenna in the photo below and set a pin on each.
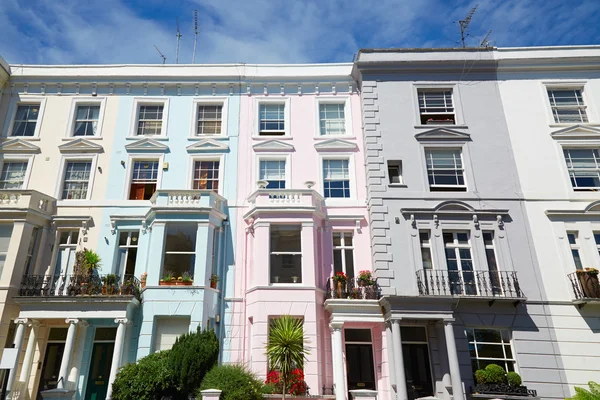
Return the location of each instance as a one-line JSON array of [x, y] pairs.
[[195, 35], [161, 54], [464, 24], [485, 42], [179, 35]]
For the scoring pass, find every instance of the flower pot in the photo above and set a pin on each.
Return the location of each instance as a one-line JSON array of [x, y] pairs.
[[143, 283], [184, 283], [590, 285], [295, 279], [213, 284], [339, 289]]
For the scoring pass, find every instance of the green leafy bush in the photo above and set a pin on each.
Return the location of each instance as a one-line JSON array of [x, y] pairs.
[[513, 379], [491, 374], [235, 382], [584, 394], [192, 356], [149, 379]]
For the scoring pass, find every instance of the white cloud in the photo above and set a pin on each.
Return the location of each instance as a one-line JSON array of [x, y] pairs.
[[267, 31]]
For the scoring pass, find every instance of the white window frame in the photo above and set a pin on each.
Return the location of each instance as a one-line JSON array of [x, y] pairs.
[[206, 157], [345, 100], [26, 100], [287, 119], [61, 177], [292, 253], [126, 246], [129, 171], [85, 101], [274, 157], [566, 147], [459, 121], [398, 165], [448, 147], [575, 247], [343, 247], [351, 169], [502, 344], [568, 85], [164, 247], [149, 101], [28, 158], [209, 101], [426, 245]]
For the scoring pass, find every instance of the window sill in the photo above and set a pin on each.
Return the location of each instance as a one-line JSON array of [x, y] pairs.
[[555, 125], [433, 126], [30, 138], [274, 137], [397, 185], [140, 137], [448, 189], [82, 137], [327, 137], [217, 137]]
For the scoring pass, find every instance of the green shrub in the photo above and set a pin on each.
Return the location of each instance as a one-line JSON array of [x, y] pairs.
[[491, 374], [235, 382], [513, 379], [192, 356], [149, 379], [584, 394]]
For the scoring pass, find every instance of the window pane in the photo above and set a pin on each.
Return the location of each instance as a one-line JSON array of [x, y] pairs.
[[286, 268], [150, 120], [77, 175], [209, 119], [179, 263], [332, 119], [181, 237], [444, 167], [567, 105], [285, 238], [13, 175], [145, 172], [272, 118], [488, 335], [358, 335], [25, 120], [206, 175], [273, 171], [413, 334], [336, 178]]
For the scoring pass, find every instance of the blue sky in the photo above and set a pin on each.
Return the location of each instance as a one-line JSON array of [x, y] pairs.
[[275, 31]]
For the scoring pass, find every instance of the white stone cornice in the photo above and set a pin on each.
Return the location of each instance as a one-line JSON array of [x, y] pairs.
[[80, 146], [208, 145], [18, 146], [147, 144]]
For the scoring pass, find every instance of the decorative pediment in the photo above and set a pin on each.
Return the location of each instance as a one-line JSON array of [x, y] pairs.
[[335, 145], [577, 132], [80, 146], [147, 144], [273, 145], [19, 146], [443, 134], [208, 145]]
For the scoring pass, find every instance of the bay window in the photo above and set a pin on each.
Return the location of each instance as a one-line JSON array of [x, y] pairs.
[[286, 254]]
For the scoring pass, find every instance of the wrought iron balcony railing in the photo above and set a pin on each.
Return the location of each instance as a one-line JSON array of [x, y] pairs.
[[353, 288], [437, 282], [78, 285], [585, 285]]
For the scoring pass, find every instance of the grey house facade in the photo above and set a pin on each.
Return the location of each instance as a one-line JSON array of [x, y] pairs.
[[451, 245]]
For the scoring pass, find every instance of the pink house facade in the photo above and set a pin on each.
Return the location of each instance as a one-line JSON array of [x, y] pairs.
[[302, 214]]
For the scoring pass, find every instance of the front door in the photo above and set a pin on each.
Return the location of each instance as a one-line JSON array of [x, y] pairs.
[[51, 367], [359, 361], [97, 383], [417, 370]]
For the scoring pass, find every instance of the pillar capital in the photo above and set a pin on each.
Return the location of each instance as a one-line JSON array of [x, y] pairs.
[[34, 323], [124, 321], [22, 321], [73, 321], [396, 321], [336, 326], [448, 321]]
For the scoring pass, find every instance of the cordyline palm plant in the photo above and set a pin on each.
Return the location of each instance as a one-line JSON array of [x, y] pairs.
[[583, 394], [285, 349]]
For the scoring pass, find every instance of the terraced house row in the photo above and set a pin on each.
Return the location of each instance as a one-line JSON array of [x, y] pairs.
[[456, 190]]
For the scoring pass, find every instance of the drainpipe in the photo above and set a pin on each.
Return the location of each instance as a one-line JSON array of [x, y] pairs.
[[223, 260]]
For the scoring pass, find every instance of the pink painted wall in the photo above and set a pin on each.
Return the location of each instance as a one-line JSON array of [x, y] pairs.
[[258, 299]]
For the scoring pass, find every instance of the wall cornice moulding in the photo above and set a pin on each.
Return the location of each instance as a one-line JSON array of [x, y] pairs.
[[18, 146]]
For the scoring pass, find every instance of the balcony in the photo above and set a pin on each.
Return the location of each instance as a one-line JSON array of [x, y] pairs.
[[284, 200], [19, 201], [586, 287], [353, 289], [74, 286], [188, 200], [489, 285]]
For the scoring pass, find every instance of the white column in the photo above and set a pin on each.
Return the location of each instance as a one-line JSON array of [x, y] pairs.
[[78, 354], [390, 355], [457, 389], [65, 363], [339, 379], [28, 360], [18, 342], [401, 391], [117, 353]]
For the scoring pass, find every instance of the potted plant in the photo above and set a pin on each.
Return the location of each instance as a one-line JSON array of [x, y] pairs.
[[128, 287], [187, 279], [588, 278], [340, 280], [109, 284], [365, 278], [143, 279], [87, 263], [295, 279], [167, 279], [213, 280], [495, 380]]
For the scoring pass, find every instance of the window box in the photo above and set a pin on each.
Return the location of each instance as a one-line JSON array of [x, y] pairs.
[[171, 282], [501, 389]]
